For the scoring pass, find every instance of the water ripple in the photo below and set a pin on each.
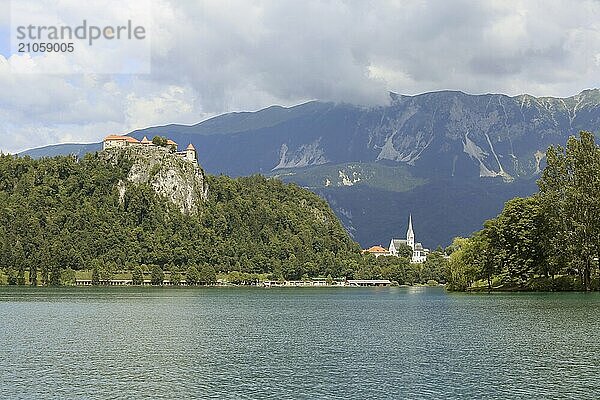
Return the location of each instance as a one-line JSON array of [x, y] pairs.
[[139, 343]]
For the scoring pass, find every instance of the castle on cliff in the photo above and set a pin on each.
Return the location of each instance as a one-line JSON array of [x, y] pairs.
[[118, 141]]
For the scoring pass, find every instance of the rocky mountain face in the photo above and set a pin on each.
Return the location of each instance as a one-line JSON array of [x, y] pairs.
[[441, 134], [180, 181], [449, 158]]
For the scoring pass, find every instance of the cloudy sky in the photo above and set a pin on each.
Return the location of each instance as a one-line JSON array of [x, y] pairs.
[[213, 56]]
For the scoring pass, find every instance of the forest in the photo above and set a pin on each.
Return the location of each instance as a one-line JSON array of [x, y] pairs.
[[549, 241], [63, 215]]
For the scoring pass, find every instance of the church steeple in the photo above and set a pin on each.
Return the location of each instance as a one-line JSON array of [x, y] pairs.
[[410, 235]]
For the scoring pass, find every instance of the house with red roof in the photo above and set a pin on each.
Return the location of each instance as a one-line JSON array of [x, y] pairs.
[[377, 251]]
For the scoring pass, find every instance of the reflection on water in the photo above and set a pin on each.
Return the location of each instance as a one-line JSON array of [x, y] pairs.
[[98, 343]]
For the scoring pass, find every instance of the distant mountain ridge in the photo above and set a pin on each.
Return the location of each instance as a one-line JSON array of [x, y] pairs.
[[78, 149], [476, 144]]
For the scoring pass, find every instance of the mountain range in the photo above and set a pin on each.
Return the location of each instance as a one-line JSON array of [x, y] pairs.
[[448, 158]]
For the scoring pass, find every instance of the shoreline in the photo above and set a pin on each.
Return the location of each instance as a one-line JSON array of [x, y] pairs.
[[224, 286]]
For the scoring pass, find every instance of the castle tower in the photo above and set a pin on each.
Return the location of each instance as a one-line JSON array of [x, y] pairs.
[[410, 235], [190, 153]]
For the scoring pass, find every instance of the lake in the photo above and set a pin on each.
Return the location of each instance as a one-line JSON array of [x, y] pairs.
[[317, 343]]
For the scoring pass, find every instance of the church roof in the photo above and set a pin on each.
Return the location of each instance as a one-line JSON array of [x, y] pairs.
[[145, 140], [398, 242]]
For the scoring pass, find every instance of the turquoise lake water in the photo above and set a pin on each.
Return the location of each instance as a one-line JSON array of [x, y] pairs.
[[313, 343]]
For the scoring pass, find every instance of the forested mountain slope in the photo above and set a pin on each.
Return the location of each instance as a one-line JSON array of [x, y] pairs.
[[59, 213]]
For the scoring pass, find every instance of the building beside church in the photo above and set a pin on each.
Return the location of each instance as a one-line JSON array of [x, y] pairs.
[[419, 253], [377, 251]]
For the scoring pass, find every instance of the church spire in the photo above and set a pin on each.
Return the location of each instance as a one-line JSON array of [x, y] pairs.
[[410, 235]]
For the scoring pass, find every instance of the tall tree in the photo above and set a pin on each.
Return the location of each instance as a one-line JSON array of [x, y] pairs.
[[192, 276], [515, 241], [137, 275], [96, 267], [463, 267], [157, 276], [405, 251], [570, 193], [19, 261]]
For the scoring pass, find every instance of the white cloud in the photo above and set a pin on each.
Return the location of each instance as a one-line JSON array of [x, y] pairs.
[[160, 105], [216, 56]]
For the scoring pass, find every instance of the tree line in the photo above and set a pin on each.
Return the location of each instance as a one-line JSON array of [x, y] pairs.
[[548, 241]]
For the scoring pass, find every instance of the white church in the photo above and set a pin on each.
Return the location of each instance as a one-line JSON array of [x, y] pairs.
[[419, 252]]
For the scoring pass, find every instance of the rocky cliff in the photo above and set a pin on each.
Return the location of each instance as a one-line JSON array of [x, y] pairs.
[[180, 181]]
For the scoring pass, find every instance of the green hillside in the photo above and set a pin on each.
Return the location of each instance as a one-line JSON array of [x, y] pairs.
[[395, 178], [61, 214]]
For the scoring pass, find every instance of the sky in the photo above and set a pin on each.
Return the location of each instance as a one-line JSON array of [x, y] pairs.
[[208, 57]]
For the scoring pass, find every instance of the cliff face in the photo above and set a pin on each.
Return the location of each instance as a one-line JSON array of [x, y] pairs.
[[180, 181]]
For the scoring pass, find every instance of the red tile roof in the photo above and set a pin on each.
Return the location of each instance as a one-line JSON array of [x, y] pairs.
[[120, 137], [376, 249], [114, 137]]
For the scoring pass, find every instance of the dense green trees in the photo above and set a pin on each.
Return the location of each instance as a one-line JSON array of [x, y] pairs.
[[552, 234], [59, 213], [175, 277], [137, 275], [12, 276], [207, 275], [405, 251], [435, 268], [570, 192], [159, 141], [192, 276], [401, 270], [157, 276], [464, 263]]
